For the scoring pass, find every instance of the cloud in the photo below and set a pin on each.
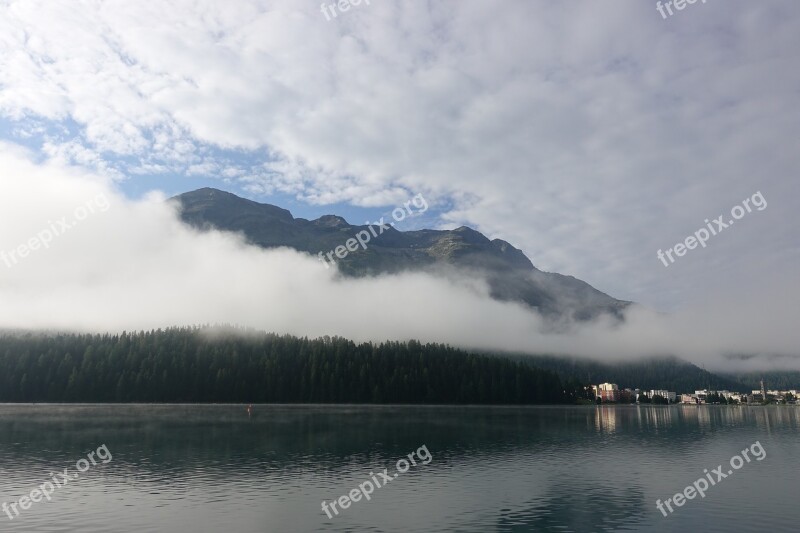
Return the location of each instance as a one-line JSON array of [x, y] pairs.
[[124, 265], [589, 134]]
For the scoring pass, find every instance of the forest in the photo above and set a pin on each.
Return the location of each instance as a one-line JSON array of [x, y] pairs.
[[230, 365]]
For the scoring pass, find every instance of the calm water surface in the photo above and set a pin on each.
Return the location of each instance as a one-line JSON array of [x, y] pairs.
[[214, 469]]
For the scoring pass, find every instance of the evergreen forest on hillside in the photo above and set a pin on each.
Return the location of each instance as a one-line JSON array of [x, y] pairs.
[[237, 366]]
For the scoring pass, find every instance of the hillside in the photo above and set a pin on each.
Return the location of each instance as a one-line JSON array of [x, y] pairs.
[[213, 365]]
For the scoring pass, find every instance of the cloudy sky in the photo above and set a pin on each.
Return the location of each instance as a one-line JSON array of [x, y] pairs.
[[590, 134]]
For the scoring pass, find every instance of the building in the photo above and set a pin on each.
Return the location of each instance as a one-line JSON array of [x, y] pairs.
[[689, 398], [608, 392], [610, 395], [664, 394]]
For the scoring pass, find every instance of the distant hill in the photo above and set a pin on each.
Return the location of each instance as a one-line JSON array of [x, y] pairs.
[[773, 379], [510, 274], [668, 373]]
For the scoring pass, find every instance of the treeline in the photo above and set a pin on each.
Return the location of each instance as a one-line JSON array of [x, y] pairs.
[[783, 380], [236, 366]]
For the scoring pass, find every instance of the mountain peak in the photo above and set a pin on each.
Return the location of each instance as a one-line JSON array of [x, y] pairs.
[[197, 204], [331, 221]]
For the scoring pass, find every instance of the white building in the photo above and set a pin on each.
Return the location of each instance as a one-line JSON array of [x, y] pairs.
[[664, 394], [608, 392]]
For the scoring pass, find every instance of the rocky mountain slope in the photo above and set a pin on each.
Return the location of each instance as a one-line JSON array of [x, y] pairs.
[[510, 274]]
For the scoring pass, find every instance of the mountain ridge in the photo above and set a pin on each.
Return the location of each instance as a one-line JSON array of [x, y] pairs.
[[510, 274]]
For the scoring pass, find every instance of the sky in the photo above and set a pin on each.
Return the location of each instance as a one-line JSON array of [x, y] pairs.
[[589, 134]]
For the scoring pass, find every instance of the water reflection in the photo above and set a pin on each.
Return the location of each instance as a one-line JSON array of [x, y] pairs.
[[210, 468], [592, 507]]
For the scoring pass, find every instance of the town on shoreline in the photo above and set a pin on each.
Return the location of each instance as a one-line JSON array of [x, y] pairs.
[[610, 393]]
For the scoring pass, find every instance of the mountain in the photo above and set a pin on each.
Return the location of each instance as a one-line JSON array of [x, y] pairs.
[[510, 274]]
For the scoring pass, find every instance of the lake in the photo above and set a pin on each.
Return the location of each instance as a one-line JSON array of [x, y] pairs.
[[182, 468]]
